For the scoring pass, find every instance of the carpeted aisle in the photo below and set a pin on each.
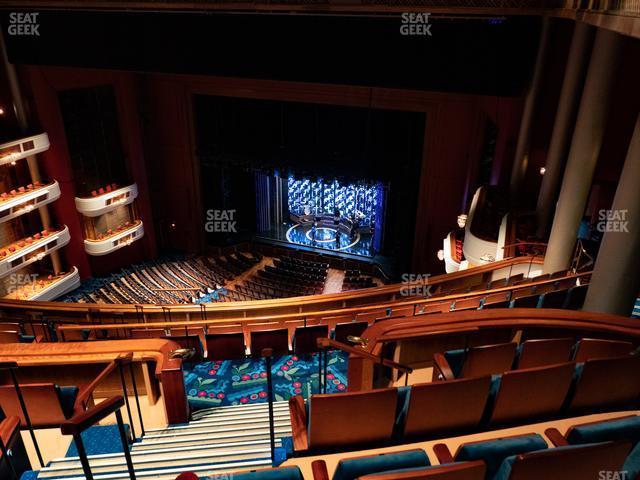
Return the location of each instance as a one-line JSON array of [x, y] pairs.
[[234, 382]]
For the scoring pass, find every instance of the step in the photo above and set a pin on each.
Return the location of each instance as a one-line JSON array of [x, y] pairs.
[[233, 420], [256, 407], [172, 473], [214, 439], [143, 462], [238, 427]]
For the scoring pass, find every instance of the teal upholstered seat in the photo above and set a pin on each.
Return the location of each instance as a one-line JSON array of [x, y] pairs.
[[67, 396], [614, 430], [350, 469], [455, 359], [284, 473], [494, 452]]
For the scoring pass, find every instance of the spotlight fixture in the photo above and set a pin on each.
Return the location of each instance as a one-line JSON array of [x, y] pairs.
[[543, 170], [1, 111], [462, 220]]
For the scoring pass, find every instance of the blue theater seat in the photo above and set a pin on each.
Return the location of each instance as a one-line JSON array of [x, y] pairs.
[[494, 452], [352, 468], [283, 473]]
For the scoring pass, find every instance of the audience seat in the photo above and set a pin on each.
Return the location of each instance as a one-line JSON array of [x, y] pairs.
[[475, 361], [225, 346], [455, 471], [343, 331], [538, 353], [305, 338], [554, 299], [591, 348], [48, 405], [139, 333], [442, 407], [343, 420], [614, 430], [605, 383], [356, 467], [277, 339], [529, 394]]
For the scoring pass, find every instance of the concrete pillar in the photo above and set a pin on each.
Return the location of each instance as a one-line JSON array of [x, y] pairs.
[[521, 159], [32, 161], [615, 282], [584, 151], [572, 84]]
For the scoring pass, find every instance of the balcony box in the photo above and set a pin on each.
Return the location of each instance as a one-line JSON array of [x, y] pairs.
[[106, 202], [18, 149], [28, 200], [116, 241], [52, 288], [26, 252]]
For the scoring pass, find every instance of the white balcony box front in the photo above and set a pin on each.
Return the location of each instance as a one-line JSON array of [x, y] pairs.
[[24, 202], [10, 152], [32, 252], [47, 289], [116, 241], [101, 204]]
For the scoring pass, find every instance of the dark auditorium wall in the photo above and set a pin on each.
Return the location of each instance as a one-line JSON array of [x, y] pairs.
[[42, 85]]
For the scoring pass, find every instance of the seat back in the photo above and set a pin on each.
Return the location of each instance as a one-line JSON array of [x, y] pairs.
[[9, 337], [529, 301], [345, 330], [10, 327], [139, 333], [467, 303], [351, 418], [356, 467], [591, 348], [489, 359], [42, 401], [576, 297], [537, 353], [277, 339], [225, 346], [305, 338], [454, 471], [554, 299], [463, 401], [532, 393], [569, 463], [606, 382]]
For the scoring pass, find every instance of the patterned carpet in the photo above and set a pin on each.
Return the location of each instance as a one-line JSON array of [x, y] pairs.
[[234, 382]]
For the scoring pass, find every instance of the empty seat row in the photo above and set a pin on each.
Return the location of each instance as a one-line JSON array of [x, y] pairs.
[[431, 410]]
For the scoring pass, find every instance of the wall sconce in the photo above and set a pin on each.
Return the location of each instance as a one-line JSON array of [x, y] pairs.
[[487, 257], [543, 170], [440, 255], [462, 220]]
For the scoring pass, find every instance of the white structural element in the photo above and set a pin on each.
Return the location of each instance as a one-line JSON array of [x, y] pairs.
[[477, 250], [25, 202], [64, 284], [450, 264], [114, 242], [220, 441], [33, 252], [23, 148], [101, 204]]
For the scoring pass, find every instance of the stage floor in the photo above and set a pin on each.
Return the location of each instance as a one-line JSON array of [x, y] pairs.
[[326, 238]]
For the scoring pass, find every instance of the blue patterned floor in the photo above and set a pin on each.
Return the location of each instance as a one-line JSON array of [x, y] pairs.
[[234, 382]]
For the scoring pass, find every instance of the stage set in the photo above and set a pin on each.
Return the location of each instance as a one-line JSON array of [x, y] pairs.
[[330, 214]]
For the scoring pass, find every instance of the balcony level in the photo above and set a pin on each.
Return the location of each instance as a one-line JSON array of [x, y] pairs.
[[103, 201], [11, 152], [32, 249], [115, 240], [25, 199]]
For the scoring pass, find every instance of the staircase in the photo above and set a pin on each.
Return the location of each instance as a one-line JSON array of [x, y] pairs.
[[218, 440]]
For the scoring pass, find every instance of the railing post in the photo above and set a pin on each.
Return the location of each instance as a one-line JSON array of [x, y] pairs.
[[126, 398], [135, 392], [125, 445], [82, 453], [320, 370], [27, 419], [267, 354], [325, 367], [5, 456]]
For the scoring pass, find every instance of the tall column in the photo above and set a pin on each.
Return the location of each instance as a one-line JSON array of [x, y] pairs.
[[521, 159], [615, 282], [572, 84], [584, 151], [32, 161]]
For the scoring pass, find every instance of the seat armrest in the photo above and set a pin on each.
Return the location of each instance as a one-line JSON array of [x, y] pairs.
[[443, 454], [298, 415], [8, 428], [441, 368], [82, 402], [554, 435], [319, 469]]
